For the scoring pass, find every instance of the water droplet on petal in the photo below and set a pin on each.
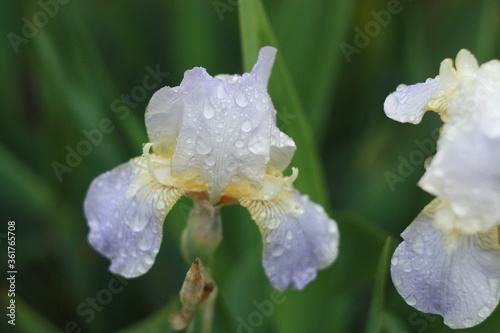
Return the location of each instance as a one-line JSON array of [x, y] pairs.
[[407, 267], [232, 166], [208, 111], [396, 278], [149, 260], [484, 311], [220, 92], [240, 99], [144, 242], [258, 145], [418, 245], [210, 160], [289, 235], [469, 322], [203, 146], [269, 238], [394, 260], [219, 138], [160, 204], [239, 143], [411, 300], [246, 126], [278, 250]]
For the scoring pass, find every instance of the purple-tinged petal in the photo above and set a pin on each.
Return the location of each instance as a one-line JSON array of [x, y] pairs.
[[466, 172], [409, 103], [282, 150], [226, 129], [163, 120], [125, 209], [451, 274], [262, 68], [299, 238]]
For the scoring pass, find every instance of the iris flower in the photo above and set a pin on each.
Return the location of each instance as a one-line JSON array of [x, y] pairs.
[[449, 262], [215, 140]]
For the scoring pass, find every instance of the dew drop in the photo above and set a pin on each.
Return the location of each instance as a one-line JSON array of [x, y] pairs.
[[239, 143], [407, 267], [144, 242], [246, 126], [137, 224], [394, 260], [203, 146], [219, 138], [269, 238], [149, 260], [258, 145], [469, 322], [289, 235], [220, 92], [160, 204], [240, 99], [189, 140], [403, 98], [210, 160], [411, 300], [208, 111], [396, 278], [484, 311], [255, 186], [232, 166], [278, 250], [418, 245]]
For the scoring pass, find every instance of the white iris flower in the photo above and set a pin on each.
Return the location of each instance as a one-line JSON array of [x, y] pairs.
[[449, 262], [214, 139]]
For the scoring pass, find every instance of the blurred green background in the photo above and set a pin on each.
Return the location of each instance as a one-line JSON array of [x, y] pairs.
[[65, 76]]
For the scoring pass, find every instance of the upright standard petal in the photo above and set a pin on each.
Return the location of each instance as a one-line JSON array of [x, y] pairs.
[[299, 238], [125, 209], [262, 68], [466, 172], [409, 103], [163, 120], [225, 136], [454, 275], [282, 150]]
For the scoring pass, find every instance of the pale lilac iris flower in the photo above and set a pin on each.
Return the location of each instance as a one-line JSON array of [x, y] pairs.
[[449, 262], [215, 140]]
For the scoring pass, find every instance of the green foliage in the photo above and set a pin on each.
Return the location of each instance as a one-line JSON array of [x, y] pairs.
[[66, 79]]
